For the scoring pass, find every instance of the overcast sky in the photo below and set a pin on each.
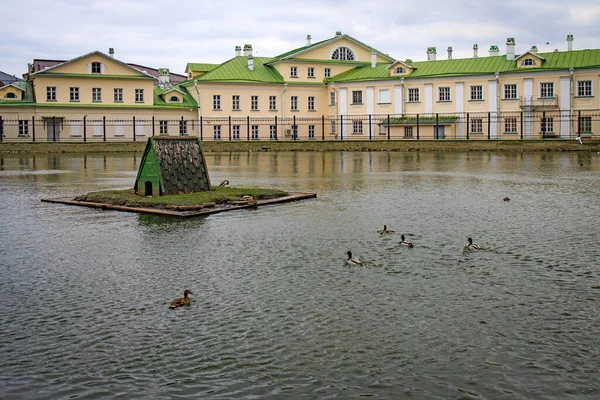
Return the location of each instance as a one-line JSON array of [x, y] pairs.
[[170, 33]]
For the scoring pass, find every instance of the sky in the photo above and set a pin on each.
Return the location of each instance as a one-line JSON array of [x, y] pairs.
[[170, 34]]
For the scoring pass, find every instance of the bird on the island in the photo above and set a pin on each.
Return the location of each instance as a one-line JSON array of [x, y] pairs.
[[224, 183], [506, 199], [182, 301], [473, 246], [405, 242], [385, 231], [352, 260], [250, 200]]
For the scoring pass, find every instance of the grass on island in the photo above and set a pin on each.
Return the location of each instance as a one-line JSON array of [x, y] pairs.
[[218, 195]]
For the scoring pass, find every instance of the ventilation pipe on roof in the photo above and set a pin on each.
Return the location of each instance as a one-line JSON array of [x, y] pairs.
[[510, 48], [431, 52], [475, 48], [308, 40], [111, 52], [251, 62], [238, 51], [533, 49], [338, 33], [247, 50], [569, 42], [164, 78], [373, 59], [494, 51], [449, 52]]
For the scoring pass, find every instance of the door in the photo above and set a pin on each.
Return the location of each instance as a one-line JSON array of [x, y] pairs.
[[53, 130], [439, 131]]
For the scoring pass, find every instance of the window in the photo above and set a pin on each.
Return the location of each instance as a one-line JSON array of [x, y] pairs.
[[357, 97], [272, 103], [547, 89], [357, 127], [311, 103], [294, 72], [510, 91], [216, 102], [332, 98], [585, 124], [332, 127], [477, 92], [528, 62], [255, 132], [139, 95], [311, 131], [399, 70], [96, 68], [163, 127], [311, 72], [74, 94], [51, 93], [547, 125], [444, 94], [294, 103], [343, 53], [476, 125], [384, 96], [584, 88], [235, 102], [273, 132], [510, 125], [118, 95], [10, 95], [96, 94], [236, 132], [408, 131], [23, 127], [173, 99], [254, 103], [183, 128], [413, 95], [327, 72], [217, 132]]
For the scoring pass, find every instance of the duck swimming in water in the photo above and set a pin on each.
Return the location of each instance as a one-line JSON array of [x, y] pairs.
[[405, 242], [352, 260], [182, 301], [385, 231], [473, 246]]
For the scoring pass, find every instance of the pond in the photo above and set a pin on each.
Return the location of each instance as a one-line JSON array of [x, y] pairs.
[[277, 312]]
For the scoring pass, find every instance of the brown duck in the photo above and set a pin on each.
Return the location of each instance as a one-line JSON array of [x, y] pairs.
[[182, 301]]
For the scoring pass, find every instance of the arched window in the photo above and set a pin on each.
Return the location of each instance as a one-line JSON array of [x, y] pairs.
[[10, 96], [343, 53], [174, 99], [527, 62], [399, 70]]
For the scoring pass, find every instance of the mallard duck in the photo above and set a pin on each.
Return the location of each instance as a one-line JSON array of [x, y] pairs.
[[250, 200], [405, 242], [224, 183], [182, 301], [473, 246], [385, 231], [506, 199], [352, 260]]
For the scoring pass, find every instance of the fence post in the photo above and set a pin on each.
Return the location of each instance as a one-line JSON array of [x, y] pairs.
[[389, 131], [322, 126], [84, 129], [1, 129], [467, 126], [229, 123], [294, 129], [544, 125], [489, 125], [370, 133], [133, 126], [248, 128], [33, 129], [418, 128], [104, 128], [53, 129], [341, 127], [276, 127], [200, 127], [521, 125], [436, 132], [153, 125], [578, 122]]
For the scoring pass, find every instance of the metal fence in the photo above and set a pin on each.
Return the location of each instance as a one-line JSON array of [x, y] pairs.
[[466, 126]]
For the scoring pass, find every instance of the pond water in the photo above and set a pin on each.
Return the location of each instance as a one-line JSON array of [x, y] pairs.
[[277, 312]]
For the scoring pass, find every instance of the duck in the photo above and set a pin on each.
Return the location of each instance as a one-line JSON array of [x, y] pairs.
[[352, 260], [224, 183], [182, 301], [405, 242], [506, 199], [385, 231], [473, 246], [250, 200]]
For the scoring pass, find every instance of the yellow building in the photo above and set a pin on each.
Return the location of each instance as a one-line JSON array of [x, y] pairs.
[[338, 88]]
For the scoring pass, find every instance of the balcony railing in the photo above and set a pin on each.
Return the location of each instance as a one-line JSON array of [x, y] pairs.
[[537, 103]]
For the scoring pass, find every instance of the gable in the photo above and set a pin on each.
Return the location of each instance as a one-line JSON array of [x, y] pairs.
[[11, 93], [400, 68], [529, 60], [95, 64]]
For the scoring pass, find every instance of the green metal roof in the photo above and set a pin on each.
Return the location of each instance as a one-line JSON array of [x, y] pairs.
[[188, 99], [201, 67], [474, 66], [236, 70]]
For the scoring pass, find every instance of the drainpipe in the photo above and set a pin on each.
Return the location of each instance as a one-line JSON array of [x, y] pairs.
[[198, 96], [335, 112], [498, 97], [572, 100], [401, 99], [283, 107]]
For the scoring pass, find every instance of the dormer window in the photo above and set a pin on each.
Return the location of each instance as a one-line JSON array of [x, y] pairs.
[[174, 99], [343, 53], [96, 68], [10, 95], [399, 70], [528, 62]]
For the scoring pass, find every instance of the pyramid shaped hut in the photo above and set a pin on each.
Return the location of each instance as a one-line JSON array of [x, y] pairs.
[[172, 165]]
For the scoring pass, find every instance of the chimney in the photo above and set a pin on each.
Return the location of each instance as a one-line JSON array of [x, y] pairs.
[[533, 49], [164, 80], [251, 62], [247, 50], [569, 42], [431, 52], [494, 51], [338, 33], [238, 51], [510, 48], [308, 40], [449, 52], [475, 48], [373, 59], [111, 52]]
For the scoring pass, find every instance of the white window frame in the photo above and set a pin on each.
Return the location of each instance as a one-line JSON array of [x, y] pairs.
[[273, 132], [357, 97], [311, 131], [23, 127], [311, 72], [332, 98], [293, 72], [254, 103], [183, 124], [332, 126], [294, 103], [444, 93], [528, 62], [476, 125], [95, 70], [311, 103], [476, 92], [343, 53], [547, 125], [511, 91], [510, 125], [408, 131], [216, 102], [399, 70], [384, 96], [357, 127], [585, 124], [327, 72], [272, 103], [236, 132], [584, 88], [118, 95], [96, 95], [50, 93], [163, 127], [217, 132], [235, 102], [414, 95], [139, 95], [546, 90], [254, 130], [74, 94]]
